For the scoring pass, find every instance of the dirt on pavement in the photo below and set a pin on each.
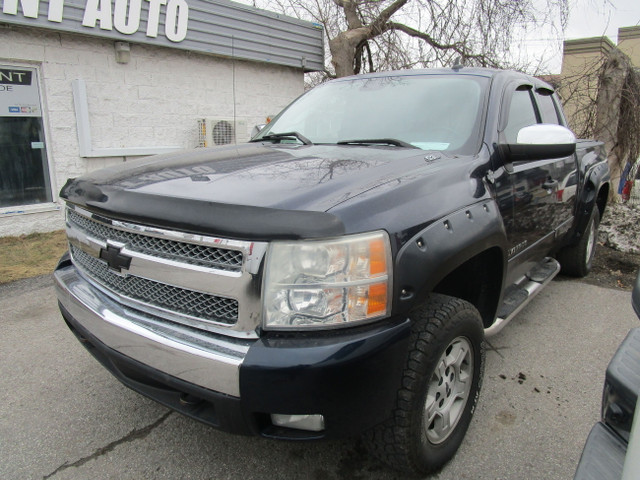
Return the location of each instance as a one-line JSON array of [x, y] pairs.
[[613, 269], [617, 260]]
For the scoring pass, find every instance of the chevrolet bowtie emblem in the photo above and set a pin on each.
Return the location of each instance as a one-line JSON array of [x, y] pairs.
[[116, 260]]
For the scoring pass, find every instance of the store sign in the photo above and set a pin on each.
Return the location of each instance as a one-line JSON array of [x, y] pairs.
[[15, 77], [125, 16], [19, 93], [218, 27]]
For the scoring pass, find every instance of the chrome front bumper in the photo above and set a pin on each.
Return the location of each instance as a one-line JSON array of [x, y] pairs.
[[235, 384], [205, 359]]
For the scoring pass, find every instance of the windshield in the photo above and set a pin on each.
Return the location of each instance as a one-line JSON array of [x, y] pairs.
[[431, 112]]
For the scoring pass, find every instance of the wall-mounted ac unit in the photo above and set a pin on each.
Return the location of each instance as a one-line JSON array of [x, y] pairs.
[[214, 131]]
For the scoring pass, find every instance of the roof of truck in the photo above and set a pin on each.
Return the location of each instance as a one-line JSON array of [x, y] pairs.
[[505, 75]]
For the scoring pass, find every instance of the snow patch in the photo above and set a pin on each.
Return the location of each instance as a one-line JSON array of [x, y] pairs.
[[620, 228]]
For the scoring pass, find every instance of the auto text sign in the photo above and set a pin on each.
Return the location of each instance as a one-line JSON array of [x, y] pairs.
[[124, 16]]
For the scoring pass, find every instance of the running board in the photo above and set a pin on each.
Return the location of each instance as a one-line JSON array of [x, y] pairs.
[[521, 293]]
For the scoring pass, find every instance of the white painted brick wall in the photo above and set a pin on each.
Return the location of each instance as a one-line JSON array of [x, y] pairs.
[[154, 100]]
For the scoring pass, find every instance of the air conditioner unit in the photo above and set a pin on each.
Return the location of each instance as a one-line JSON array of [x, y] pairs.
[[214, 131]]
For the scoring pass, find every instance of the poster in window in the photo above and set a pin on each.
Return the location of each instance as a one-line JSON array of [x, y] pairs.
[[19, 92]]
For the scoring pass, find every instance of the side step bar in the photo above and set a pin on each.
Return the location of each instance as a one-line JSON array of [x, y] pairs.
[[520, 294]]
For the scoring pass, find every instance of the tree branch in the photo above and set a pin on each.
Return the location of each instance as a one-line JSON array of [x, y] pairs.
[[350, 12], [377, 25], [459, 48], [370, 57]]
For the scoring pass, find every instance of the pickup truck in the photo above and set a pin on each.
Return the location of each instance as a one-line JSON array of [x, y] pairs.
[[337, 275]]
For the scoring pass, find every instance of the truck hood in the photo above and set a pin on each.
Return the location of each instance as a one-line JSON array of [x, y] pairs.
[[303, 181]]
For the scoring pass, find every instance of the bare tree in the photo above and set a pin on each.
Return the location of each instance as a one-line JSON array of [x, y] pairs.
[[578, 90], [371, 35], [613, 74], [602, 100]]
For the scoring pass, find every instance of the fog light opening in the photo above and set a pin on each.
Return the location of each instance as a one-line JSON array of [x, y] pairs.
[[312, 423]]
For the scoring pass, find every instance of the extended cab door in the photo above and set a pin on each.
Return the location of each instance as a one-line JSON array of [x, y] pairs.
[[531, 193]]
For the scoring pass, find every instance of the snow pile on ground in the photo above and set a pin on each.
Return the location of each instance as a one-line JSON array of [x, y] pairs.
[[620, 227]]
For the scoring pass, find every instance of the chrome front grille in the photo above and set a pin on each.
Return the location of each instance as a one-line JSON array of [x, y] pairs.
[[179, 300], [204, 282], [203, 255]]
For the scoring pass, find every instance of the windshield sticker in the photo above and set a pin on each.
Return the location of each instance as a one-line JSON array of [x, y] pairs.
[[431, 145]]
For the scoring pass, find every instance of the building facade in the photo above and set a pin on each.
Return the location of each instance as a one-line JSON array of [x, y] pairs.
[[581, 63], [91, 83], [579, 85]]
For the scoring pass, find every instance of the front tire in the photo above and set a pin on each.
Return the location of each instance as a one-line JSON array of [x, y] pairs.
[[440, 387]]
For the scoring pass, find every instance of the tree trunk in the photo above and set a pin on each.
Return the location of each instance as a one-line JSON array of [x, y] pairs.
[[612, 81], [343, 50], [342, 54]]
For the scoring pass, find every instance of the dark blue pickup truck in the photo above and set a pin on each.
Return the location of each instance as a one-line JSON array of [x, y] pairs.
[[337, 275]]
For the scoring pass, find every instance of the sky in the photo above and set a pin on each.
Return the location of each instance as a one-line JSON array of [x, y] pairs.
[[587, 18], [593, 18]]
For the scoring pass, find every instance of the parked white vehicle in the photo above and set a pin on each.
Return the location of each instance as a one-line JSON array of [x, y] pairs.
[[612, 450]]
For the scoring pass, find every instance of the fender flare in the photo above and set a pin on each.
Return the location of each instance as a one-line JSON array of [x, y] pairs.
[[595, 178], [444, 245]]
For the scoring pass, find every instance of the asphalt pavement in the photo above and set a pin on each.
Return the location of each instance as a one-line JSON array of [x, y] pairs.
[[62, 416]]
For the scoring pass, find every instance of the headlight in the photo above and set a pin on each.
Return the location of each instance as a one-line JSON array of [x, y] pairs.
[[327, 283]]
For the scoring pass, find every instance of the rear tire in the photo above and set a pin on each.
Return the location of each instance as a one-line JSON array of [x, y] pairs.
[[576, 260], [440, 387]]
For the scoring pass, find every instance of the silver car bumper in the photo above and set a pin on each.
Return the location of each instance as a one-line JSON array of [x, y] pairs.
[[202, 358]]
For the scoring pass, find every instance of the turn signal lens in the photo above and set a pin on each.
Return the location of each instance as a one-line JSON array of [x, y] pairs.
[[377, 301], [378, 255]]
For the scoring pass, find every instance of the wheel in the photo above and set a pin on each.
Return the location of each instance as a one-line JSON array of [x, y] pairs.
[[576, 260], [440, 387]]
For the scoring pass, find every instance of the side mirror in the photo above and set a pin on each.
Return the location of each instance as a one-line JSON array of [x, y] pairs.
[[256, 129], [539, 142]]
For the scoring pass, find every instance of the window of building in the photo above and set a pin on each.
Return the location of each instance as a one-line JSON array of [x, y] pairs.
[[24, 167]]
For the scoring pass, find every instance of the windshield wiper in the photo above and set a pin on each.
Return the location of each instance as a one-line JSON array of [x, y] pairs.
[[377, 141], [283, 136]]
